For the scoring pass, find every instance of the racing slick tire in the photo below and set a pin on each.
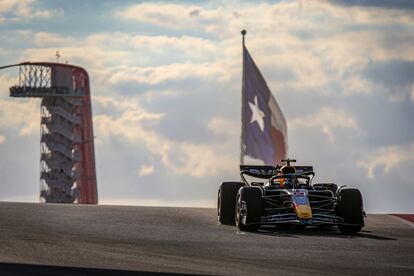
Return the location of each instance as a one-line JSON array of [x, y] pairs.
[[249, 208], [350, 208], [226, 201]]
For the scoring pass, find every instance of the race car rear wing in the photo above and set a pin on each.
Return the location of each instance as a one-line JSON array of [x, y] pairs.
[[258, 171], [303, 169], [265, 172]]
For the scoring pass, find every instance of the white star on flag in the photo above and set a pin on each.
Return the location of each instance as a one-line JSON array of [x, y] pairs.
[[257, 114]]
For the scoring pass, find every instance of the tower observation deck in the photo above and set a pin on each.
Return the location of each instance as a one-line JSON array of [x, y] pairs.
[[67, 158]]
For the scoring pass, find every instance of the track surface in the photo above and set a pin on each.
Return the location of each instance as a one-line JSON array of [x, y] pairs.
[[48, 239]]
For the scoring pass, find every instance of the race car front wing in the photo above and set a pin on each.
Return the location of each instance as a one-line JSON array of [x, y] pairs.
[[292, 218]]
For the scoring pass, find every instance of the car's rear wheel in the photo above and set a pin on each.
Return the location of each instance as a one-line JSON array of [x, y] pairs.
[[226, 201], [350, 208], [249, 208]]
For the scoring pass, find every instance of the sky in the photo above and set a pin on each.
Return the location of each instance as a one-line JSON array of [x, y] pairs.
[[166, 93]]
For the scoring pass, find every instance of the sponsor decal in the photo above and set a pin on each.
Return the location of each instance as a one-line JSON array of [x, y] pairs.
[[301, 204], [262, 172]]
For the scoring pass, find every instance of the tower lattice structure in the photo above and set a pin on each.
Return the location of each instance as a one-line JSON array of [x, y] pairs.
[[67, 158]]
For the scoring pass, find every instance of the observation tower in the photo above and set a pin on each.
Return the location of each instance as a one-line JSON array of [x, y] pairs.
[[67, 155]]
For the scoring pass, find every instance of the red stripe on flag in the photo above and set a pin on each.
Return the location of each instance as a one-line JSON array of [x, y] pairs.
[[279, 145]]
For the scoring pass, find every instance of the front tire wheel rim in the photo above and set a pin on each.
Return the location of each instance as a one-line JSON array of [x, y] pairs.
[[218, 204], [238, 211]]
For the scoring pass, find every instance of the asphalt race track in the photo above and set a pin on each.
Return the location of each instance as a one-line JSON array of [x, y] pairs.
[[49, 239]]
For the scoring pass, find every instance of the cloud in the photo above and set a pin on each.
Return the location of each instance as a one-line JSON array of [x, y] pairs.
[[145, 170], [224, 127], [170, 72], [169, 15], [318, 44], [119, 57], [294, 15], [396, 4], [327, 119], [45, 39], [182, 158], [362, 14], [161, 47], [387, 157], [8, 5], [24, 10], [21, 115], [197, 160], [16, 114], [397, 76], [131, 109], [412, 93], [179, 157], [6, 81], [88, 56], [150, 96]]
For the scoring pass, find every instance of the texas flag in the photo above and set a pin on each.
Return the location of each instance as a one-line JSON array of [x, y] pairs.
[[264, 131]]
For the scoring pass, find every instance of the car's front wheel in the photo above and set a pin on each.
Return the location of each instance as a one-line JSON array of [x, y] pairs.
[[350, 208], [249, 208]]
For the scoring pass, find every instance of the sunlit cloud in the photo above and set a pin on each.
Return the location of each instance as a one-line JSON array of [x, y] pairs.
[[21, 115], [170, 15], [224, 126], [162, 48], [412, 93], [145, 170], [93, 57], [170, 72], [387, 158], [327, 120], [45, 39], [178, 156]]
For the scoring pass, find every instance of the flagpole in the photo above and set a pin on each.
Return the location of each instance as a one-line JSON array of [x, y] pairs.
[[243, 32]]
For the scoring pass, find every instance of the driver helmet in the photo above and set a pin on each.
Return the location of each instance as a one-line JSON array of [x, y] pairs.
[[286, 182], [287, 170]]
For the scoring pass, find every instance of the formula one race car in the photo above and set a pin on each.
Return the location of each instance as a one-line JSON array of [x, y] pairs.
[[287, 196]]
